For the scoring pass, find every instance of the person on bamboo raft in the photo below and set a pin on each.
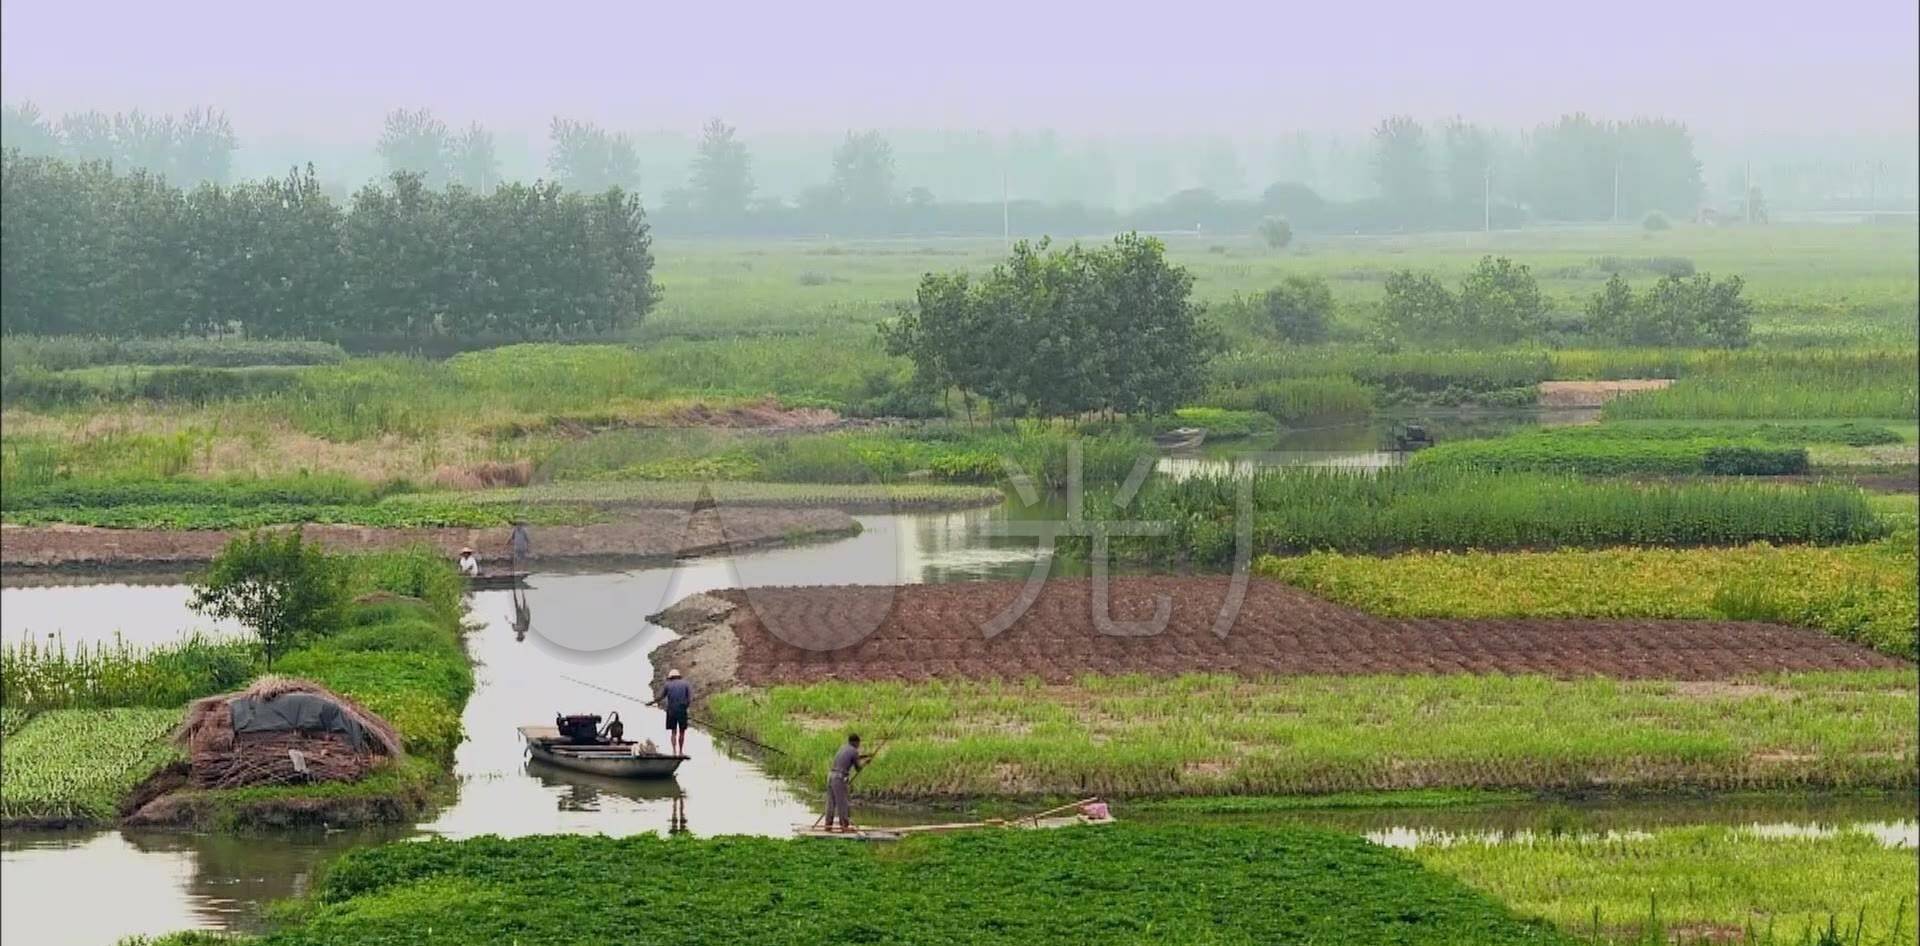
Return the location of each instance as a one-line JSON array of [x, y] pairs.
[[469, 565], [840, 782]]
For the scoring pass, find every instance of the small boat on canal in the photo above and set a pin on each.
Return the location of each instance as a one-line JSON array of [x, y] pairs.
[[584, 750], [1180, 438], [497, 580], [1086, 811]]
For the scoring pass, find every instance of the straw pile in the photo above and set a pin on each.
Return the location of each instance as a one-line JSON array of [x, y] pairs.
[[218, 757]]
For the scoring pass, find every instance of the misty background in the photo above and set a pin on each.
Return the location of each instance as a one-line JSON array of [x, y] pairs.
[[863, 108]]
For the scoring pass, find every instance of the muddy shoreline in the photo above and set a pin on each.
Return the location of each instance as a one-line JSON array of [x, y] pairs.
[[641, 536]]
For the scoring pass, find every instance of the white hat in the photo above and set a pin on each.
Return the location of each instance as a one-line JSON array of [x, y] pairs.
[[466, 551], [673, 674]]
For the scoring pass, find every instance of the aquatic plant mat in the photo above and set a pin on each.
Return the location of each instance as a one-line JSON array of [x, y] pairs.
[[1080, 886]]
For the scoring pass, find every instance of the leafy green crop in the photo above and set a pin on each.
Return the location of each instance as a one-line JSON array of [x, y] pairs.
[[76, 765], [1864, 593], [1086, 887]]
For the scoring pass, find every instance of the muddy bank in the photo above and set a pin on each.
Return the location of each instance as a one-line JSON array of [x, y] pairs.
[[1561, 394], [986, 630], [640, 535]]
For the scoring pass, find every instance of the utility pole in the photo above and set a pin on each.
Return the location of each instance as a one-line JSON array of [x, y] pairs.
[[1006, 216], [1486, 198], [1747, 200], [1616, 190]]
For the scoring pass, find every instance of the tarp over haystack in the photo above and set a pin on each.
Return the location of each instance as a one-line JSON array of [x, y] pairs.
[[282, 730]]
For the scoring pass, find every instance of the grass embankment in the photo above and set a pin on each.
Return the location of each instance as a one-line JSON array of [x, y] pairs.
[[1213, 735], [76, 766], [399, 655], [1297, 511], [1117, 884], [246, 503], [1657, 447], [614, 494], [1705, 884], [1864, 593]]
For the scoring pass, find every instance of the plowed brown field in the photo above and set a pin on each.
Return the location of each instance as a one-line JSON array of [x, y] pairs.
[[921, 632]]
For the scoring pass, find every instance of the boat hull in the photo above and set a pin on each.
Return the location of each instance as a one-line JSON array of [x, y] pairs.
[[611, 761]]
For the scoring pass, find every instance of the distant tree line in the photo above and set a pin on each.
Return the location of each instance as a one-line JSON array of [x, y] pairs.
[[1453, 175], [196, 146], [85, 250]]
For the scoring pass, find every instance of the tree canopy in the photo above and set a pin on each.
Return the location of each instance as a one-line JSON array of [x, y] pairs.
[[1052, 332]]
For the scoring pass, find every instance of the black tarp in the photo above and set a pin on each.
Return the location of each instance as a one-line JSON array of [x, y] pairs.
[[301, 712]]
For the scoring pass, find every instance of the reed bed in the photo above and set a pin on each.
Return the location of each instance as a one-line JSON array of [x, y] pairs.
[[1296, 511], [37, 676]]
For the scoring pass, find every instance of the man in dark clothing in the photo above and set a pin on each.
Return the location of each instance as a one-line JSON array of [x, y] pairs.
[[521, 543], [839, 778], [677, 698]]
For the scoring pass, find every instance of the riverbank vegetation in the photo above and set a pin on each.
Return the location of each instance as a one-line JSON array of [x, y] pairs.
[[1134, 736]]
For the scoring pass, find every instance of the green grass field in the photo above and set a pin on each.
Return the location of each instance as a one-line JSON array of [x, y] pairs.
[[1137, 736], [77, 765]]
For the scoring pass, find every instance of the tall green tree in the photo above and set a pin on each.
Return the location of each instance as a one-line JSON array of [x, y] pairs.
[[1468, 161], [472, 160], [25, 128], [415, 141], [1402, 166], [591, 159], [722, 178], [863, 172]]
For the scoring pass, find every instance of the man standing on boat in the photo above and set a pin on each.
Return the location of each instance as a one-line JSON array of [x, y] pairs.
[[839, 783], [676, 697], [521, 543]]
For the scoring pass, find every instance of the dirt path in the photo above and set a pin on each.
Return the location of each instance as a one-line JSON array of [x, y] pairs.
[[922, 632], [641, 534]]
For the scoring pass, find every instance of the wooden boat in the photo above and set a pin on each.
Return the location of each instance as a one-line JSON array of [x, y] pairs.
[[497, 580], [611, 759], [1180, 438]]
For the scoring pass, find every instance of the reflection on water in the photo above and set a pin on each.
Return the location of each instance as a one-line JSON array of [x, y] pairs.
[[157, 881], [1356, 446]]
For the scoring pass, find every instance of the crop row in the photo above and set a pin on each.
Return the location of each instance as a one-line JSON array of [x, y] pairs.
[[1863, 593], [77, 765], [1296, 511], [1195, 734]]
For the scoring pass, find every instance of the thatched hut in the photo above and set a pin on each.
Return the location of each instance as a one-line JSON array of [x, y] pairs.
[[282, 730]]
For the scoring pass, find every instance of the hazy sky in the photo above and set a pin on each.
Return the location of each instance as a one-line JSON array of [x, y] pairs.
[[330, 69]]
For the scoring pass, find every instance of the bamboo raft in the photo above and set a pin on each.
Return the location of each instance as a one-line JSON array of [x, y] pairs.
[[1045, 820]]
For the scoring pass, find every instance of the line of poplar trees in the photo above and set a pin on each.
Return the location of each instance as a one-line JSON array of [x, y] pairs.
[[84, 250]]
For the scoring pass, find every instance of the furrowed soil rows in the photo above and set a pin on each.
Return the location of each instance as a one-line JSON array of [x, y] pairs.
[[921, 632]]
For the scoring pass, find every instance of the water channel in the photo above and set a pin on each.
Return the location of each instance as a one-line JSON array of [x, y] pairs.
[[591, 626]]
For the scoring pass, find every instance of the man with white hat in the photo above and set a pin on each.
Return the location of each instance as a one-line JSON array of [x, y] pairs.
[[469, 566], [676, 697]]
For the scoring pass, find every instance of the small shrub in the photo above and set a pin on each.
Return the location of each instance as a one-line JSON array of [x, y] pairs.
[[1655, 220], [1277, 232], [1300, 309]]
